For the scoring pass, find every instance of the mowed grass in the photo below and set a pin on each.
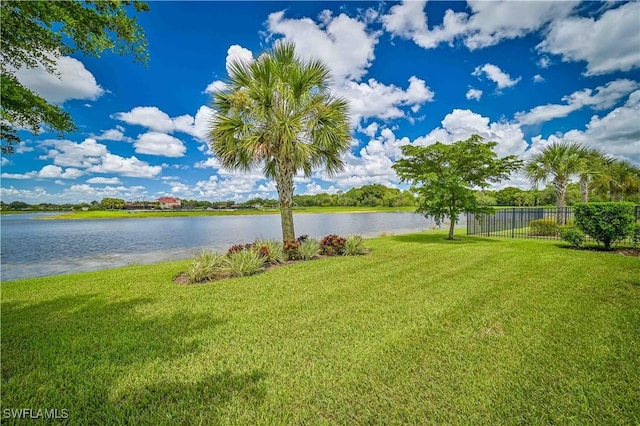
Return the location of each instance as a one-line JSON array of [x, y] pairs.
[[419, 331]]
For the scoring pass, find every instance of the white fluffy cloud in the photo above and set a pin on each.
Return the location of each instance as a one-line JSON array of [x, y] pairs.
[[608, 44], [130, 167], [156, 143], [538, 78], [603, 97], [66, 153], [488, 23], [461, 124], [342, 42], [73, 81], [495, 74], [105, 181], [113, 135], [617, 133], [474, 94], [55, 172], [151, 117], [375, 99], [237, 53], [215, 86], [159, 121]]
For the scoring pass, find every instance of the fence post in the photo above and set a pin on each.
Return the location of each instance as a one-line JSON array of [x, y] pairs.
[[513, 222]]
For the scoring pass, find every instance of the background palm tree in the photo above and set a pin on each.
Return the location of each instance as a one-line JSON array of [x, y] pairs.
[[594, 163], [619, 181], [277, 112], [557, 162]]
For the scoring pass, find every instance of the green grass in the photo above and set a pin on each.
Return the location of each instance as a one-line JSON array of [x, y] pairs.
[[419, 331], [122, 214]]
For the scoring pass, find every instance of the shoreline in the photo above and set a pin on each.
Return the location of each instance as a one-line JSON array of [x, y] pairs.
[[143, 214]]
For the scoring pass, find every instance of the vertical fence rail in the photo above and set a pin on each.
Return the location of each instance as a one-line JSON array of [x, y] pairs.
[[524, 222]]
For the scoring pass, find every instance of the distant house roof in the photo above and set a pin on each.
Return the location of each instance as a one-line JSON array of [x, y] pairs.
[[168, 200]]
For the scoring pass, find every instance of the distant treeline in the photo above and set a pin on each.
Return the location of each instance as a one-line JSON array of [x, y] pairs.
[[375, 195]]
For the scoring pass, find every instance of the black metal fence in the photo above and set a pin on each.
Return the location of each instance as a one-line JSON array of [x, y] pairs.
[[524, 222]]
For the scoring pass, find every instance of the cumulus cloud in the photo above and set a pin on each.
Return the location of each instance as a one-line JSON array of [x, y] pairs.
[[617, 133], [66, 153], [73, 81], [375, 99], [105, 181], [112, 135], [473, 94], [159, 121], [211, 162], [538, 78], [603, 97], [460, 124], [342, 42], [156, 143], [607, 44], [487, 24], [130, 167], [237, 53], [55, 172], [148, 116], [495, 74], [215, 86]]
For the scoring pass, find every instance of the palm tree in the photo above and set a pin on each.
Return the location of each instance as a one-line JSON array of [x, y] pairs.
[[277, 112], [619, 180], [557, 162], [594, 163]]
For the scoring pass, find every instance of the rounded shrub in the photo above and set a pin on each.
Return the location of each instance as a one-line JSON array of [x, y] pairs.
[[543, 227], [607, 223], [332, 245], [572, 234]]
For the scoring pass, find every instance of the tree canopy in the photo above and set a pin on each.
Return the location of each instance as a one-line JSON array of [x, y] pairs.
[[277, 113], [445, 176], [37, 33]]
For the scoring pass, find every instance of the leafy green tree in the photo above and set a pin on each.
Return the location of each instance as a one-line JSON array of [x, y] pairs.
[[277, 113], [113, 204], [445, 176], [36, 33], [557, 162]]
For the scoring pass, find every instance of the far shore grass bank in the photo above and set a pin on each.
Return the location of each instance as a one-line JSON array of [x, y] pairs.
[[126, 214], [419, 331]]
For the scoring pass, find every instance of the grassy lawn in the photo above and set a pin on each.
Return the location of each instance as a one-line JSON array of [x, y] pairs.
[[420, 331], [120, 214]]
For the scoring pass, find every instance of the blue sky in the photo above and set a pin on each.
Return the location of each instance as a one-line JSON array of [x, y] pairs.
[[523, 74]]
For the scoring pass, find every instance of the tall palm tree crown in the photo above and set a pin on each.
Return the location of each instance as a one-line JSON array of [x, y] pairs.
[[276, 112], [557, 162]]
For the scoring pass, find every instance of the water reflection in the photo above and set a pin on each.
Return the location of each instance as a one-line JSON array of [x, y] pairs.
[[33, 247]]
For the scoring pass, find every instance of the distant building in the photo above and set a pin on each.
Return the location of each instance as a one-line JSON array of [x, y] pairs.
[[169, 202]]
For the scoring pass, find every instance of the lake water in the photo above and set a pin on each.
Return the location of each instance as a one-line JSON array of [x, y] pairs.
[[33, 248]]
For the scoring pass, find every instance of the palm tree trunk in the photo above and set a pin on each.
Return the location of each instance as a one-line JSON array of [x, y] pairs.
[[284, 183], [584, 189], [560, 186]]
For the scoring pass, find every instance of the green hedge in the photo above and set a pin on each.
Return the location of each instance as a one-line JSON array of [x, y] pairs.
[[606, 223]]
